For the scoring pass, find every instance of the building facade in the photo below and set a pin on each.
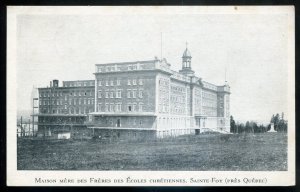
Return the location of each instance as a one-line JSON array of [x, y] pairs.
[[142, 99], [65, 108], [149, 99]]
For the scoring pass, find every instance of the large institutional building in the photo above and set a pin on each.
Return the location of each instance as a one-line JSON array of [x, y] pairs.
[[141, 99]]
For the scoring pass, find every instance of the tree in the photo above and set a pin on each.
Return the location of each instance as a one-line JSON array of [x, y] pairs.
[[280, 125], [232, 125], [247, 127]]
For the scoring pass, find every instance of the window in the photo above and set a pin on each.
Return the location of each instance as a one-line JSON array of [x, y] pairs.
[[111, 83], [118, 125], [85, 84], [134, 67], [70, 102], [112, 94], [134, 81], [106, 106], [118, 68], [106, 83], [134, 107], [129, 67], [140, 81], [99, 107], [112, 68], [141, 93], [111, 107], [61, 102], [118, 94], [118, 107], [84, 101], [99, 83], [75, 93], [141, 106], [129, 82], [90, 93], [89, 101], [129, 108], [99, 69], [79, 93], [71, 93], [106, 94], [108, 68], [79, 101], [134, 93], [128, 93], [65, 106], [118, 82]]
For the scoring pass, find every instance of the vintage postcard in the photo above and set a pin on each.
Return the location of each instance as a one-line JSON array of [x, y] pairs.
[[151, 96]]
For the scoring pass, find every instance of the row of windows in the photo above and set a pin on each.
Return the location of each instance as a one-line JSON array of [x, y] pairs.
[[209, 112], [111, 93], [81, 101], [118, 82], [57, 94], [163, 108], [177, 110], [117, 107], [78, 84], [197, 92], [177, 89], [210, 86], [163, 82], [71, 101], [81, 93], [208, 95], [178, 99], [112, 68], [131, 93], [117, 121], [209, 103], [77, 110]]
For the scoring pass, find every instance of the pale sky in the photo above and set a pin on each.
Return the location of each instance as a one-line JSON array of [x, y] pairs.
[[252, 46]]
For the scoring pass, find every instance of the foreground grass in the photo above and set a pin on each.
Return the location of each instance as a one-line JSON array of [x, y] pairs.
[[246, 152]]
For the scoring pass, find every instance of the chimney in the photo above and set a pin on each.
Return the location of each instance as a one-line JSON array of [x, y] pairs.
[[55, 83]]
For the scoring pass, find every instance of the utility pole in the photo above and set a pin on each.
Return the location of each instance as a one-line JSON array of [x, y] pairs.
[[161, 46], [29, 127], [21, 126], [33, 107]]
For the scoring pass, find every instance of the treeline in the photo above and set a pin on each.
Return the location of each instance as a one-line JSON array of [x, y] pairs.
[[280, 125]]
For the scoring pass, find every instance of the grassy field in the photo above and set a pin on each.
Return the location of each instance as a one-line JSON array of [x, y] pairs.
[[247, 152]]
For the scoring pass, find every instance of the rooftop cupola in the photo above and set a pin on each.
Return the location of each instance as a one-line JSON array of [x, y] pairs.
[[186, 62], [186, 59]]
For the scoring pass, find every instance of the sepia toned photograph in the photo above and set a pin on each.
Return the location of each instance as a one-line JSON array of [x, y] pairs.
[[149, 89]]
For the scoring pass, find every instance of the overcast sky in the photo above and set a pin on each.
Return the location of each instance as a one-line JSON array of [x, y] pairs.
[[253, 48]]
